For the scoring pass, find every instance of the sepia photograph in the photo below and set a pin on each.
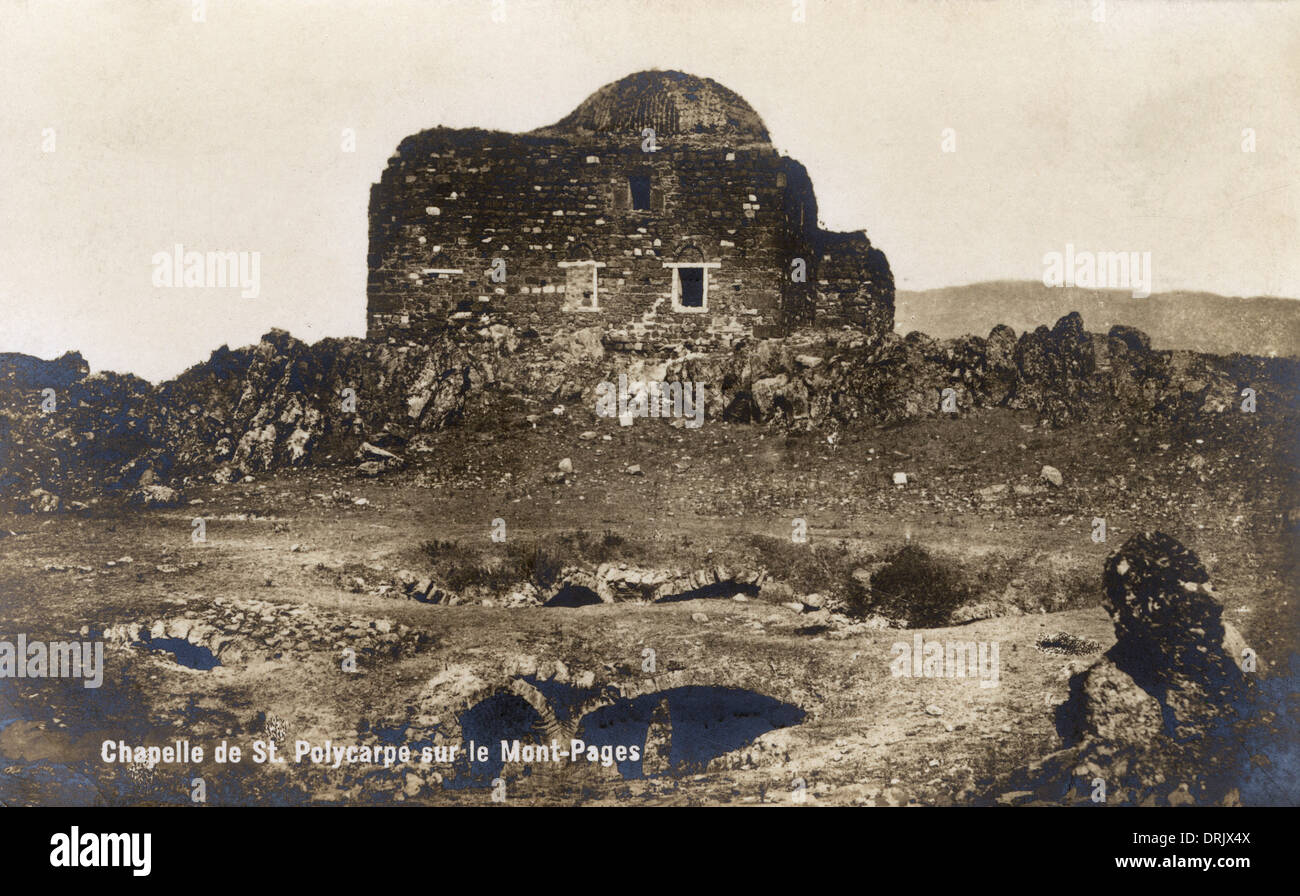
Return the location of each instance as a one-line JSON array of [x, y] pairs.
[[649, 403]]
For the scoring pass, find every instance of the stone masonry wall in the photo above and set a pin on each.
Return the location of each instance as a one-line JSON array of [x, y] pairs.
[[458, 200]]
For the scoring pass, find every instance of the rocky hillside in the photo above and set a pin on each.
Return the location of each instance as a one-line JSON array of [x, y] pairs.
[[1175, 320], [281, 403]]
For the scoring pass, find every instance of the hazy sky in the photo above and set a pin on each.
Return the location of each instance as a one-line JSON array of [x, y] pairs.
[[1125, 134]]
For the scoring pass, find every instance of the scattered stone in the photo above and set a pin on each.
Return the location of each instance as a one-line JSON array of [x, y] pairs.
[[155, 496], [41, 501], [1066, 644], [375, 461], [1052, 475], [1015, 797]]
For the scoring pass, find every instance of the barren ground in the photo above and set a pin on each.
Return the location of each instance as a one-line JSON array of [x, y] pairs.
[[1219, 485]]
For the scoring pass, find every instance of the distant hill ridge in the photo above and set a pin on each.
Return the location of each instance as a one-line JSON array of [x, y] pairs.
[[1199, 321]]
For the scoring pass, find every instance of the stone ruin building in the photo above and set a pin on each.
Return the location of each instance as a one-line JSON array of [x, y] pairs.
[[658, 210]]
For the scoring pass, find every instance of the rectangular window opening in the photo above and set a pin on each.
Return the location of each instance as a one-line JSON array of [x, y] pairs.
[[638, 186], [692, 287]]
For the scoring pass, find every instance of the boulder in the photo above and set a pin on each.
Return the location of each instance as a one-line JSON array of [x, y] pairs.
[[41, 501], [1167, 704], [375, 461], [155, 496], [1115, 708], [1170, 636]]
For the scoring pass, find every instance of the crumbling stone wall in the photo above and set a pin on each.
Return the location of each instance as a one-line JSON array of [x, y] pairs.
[[471, 228]]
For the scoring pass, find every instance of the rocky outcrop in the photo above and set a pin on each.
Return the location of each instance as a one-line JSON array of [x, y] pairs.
[[283, 403], [1167, 714], [1171, 637], [1055, 370], [279, 403], [1063, 374]]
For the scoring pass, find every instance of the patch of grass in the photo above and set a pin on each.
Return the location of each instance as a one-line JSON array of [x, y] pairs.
[[438, 550], [463, 575], [594, 549], [535, 562], [460, 568]]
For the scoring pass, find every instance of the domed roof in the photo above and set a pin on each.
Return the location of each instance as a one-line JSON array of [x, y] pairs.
[[673, 103]]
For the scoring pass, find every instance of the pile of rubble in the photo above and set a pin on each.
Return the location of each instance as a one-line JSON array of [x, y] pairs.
[[279, 403], [1065, 374], [606, 583], [283, 403]]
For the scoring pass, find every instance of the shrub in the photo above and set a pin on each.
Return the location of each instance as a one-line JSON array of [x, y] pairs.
[[438, 550], [915, 586], [805, 568], [537, 563]]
